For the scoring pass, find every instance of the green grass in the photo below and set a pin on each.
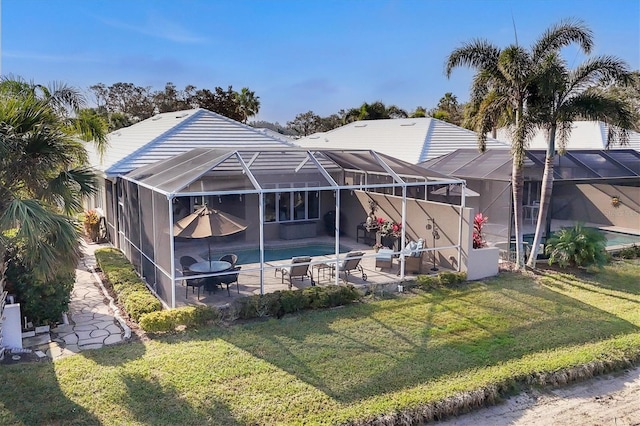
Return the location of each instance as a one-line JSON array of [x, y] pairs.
[[343, 364]]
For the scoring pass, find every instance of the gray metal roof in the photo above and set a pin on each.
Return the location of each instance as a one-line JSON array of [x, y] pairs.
[[410, 139], [573, 165], [166, 135], [218, 170]]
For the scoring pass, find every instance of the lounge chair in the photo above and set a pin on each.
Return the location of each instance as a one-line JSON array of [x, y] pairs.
[[295, 270], [350, 263]]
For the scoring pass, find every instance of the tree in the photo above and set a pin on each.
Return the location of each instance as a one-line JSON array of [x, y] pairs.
[[172, 99], [448, 110], [629, 92], [503, 83], [562, 97], [219, 101], [43, 173], [248, 103], [305, 124], [419, 112], [374, 111]]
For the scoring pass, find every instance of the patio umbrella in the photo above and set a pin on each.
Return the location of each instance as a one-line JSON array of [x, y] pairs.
[[455, 191], [206, 223]]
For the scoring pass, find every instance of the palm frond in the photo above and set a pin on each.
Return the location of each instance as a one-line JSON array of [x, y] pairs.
[[560, 35], [479, 54]]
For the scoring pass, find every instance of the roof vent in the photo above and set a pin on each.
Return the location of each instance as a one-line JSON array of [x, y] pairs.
[[314, 137], [156, 117], [360, 125], [117, 134], [182, 115], [408, 124]]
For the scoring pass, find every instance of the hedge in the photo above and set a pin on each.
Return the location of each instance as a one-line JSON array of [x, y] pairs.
[[131, 291]]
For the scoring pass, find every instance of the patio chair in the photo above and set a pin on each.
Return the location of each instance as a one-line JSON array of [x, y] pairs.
[[413, 257], [231, 258], [193, 283], [295, 270], [230, 279], [185, 263], [350, 263]]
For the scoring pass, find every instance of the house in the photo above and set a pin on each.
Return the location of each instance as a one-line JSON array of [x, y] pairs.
[[163, 136], [598, 187], [413, 140], [584, 135]]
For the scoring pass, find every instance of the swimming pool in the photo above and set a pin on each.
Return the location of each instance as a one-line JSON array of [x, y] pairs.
[[279, 253], [619, 238]]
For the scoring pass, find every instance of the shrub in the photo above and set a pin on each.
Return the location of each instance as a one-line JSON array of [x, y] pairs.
[[478, 238], [42, 301], [630, 252], [289, 301], [128, 286], [189, 316], [444, 278], [138, 302], [577, 246]]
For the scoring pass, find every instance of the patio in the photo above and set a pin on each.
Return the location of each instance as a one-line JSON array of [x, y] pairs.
[[249, 277]]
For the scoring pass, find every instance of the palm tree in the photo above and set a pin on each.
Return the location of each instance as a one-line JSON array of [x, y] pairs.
[[248, 103], [501, 88], [43, 173], [564, 96]]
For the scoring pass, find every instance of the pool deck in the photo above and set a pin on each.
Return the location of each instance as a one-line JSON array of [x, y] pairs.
[[249, 278]]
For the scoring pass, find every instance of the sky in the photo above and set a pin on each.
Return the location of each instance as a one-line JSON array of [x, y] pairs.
[[297, 56]]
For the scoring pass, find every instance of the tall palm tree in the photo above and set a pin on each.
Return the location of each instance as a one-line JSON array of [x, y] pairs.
[[248, 103], [564, 96], [501, 88], [43, 175]]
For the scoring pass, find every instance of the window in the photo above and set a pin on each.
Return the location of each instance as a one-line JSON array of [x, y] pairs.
[[287, 206]]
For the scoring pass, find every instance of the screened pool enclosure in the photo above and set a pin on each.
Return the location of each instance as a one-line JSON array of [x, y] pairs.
[[286, 200]]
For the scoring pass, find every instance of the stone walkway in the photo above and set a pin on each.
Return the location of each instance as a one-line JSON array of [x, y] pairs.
[[93, 319]]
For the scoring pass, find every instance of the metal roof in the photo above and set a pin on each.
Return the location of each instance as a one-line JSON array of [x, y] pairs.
[[166, 135], [573, 165], [410, 139], [218, 170], [584, 135]]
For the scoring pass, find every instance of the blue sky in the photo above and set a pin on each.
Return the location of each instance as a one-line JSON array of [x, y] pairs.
[[296, 55]]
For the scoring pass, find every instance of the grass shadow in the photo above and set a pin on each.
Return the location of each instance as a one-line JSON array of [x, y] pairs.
[[371, 349], [40, 384]]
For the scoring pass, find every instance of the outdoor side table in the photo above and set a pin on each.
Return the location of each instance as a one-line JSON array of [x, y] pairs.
[[321, 267]]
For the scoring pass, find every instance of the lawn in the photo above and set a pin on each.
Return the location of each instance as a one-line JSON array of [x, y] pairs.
[[343, 364]]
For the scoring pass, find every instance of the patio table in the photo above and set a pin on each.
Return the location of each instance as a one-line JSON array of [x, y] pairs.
[[210, 266]]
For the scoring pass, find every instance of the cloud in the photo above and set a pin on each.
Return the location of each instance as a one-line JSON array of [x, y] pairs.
[[158, 28]]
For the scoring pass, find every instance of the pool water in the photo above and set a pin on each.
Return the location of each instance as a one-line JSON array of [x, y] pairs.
[[280, 253], [618, 238]]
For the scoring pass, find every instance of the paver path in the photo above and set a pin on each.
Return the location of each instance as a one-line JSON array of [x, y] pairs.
[[94, 320]]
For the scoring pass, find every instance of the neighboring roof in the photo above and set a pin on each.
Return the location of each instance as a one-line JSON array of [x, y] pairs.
[[584, 135], [573, 165], [410, 139], [197, 170], [166, 135]]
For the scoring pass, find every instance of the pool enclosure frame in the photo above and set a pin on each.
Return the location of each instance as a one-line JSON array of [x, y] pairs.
[[142, 201]]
